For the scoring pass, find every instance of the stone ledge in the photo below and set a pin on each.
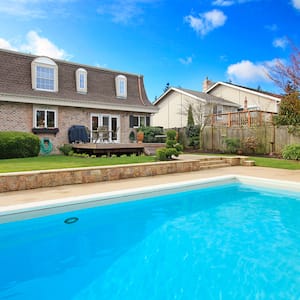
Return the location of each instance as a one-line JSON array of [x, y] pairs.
[[51, 178], [248, 163]]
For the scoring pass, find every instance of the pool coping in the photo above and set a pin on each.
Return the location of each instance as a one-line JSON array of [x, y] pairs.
[[69, 204]]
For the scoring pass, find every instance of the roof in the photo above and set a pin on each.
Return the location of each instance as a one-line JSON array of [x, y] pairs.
[[269, 95], [15, 81], [201, 96]]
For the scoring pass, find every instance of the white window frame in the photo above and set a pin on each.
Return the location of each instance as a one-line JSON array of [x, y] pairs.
[[219, 110], [81, 74], [139, 117], [45, 110], [121, 86], [48, 63]]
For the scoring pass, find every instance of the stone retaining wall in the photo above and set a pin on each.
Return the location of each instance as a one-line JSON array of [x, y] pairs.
[[51, 178]]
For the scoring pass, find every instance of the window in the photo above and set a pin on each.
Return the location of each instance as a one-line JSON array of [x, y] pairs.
[[81, 80], [217, 110], [45, 118], [121, 86], [44, 74], [138, 121]]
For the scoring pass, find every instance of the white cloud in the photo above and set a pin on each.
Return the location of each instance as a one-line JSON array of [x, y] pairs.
[[30, 8], [122, 11], [35, 44], [223, 2], [296, 4], [280, 42], [4, 44], [207, 21], [186, 61], [272, 27], [246, 72], [229, 2]]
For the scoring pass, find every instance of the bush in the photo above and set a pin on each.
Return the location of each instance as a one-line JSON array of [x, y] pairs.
[[14, 144], [172, 147], [161, 154], [291, 152], [193, 134], [232, 144], [150, 133], [66, 149]]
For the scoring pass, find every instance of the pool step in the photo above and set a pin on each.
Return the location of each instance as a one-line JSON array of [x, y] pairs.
[[213, 163]]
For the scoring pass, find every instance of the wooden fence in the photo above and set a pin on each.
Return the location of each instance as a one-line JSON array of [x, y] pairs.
[[241, 119]]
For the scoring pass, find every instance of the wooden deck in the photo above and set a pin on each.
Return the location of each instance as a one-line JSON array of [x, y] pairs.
[[115, 148]]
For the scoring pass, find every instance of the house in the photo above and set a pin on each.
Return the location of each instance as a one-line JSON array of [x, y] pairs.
[[174, 103], [48, 96], [246, 98]]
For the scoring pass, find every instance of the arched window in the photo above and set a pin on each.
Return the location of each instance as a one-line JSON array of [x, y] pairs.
[[121, 86], [44, 74], [81, 80]]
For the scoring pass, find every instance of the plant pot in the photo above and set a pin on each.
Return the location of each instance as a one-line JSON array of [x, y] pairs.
[[140, 136]]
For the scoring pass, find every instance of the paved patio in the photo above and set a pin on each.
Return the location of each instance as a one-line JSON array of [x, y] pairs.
[[11, 198]]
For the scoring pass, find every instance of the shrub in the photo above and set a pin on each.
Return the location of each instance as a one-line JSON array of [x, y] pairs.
[[172, 147], [250, 144], [65, 149], [150, 133], [232, 144], [14, 144], [291, 152], [161, 154], [193, 134]]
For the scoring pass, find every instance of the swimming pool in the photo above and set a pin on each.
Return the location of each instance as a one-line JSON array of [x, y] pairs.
[[226, 238]]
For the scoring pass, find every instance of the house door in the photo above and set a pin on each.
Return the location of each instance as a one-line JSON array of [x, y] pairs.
[[109, 122]]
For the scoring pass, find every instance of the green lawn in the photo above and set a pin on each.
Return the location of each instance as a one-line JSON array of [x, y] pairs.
[[269, 162], [276, 163], [61, 162]]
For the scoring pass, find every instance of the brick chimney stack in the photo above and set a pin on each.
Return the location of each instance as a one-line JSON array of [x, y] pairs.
[[206, 84]]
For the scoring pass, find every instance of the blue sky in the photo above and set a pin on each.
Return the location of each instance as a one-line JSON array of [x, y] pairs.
[[180, 41]]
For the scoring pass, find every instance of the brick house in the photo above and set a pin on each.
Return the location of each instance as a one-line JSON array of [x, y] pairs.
[[48, 96]]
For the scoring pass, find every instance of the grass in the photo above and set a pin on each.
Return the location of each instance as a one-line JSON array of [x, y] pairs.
[[276, 163], [62, 162], [270, 162]]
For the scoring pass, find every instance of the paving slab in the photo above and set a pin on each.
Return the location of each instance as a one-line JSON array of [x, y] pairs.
[[27, 196]]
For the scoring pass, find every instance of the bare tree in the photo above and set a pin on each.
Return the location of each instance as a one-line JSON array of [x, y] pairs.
[[202, 113], [287, 75]]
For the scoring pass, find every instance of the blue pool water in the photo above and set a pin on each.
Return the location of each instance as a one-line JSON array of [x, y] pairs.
[[225, 242]]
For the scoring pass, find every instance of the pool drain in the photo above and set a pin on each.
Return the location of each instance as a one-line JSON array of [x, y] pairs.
[[71, 220]]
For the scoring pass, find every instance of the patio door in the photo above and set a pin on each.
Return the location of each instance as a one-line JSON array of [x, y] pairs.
[[110, 122]]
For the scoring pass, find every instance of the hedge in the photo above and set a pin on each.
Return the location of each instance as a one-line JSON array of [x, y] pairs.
[[14, 144]]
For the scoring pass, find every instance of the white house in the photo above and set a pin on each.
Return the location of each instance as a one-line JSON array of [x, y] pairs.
[[174, 103], [246, 98]]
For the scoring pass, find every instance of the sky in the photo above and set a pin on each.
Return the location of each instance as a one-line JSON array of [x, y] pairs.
[[180, 42]]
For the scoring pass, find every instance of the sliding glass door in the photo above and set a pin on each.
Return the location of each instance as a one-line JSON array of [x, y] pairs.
[[105, 128]]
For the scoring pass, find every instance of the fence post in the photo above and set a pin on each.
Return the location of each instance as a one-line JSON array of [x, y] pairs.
[[249, 119]]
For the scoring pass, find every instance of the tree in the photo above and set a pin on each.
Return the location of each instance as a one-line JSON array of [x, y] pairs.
[[167, 87], [190, 121], [287, 75], [202, 112], [289, 111]]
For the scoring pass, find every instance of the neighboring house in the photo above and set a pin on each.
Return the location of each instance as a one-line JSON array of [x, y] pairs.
[[174, 103], [48, 96], [246, 98]]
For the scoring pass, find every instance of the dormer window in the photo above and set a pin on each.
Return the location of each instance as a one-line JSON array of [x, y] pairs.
[[44, 74], [81, 80], [121, 86]]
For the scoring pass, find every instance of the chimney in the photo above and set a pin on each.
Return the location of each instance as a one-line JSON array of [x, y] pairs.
[[245, 104], [206, 84]]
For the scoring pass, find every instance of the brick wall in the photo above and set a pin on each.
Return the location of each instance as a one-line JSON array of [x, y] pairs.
[[19, 117]]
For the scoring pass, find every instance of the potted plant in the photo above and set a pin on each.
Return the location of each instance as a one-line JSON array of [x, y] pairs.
[[140, 136], [132, 136]]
